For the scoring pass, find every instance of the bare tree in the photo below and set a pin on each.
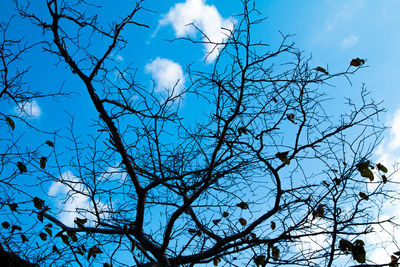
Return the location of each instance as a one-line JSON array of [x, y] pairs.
[[268, 174], [17, 101]]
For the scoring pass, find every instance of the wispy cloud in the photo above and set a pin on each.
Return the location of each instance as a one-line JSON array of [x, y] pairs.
[[341, 16], [119, 58], [167, 74], [350, 41], [389, 150], [345, 14], [388, 153], [72, 199], [29, 109], [205, 17], [113, 173], [383, 242]]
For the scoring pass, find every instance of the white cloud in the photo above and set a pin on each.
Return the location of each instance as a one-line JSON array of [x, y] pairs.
[[388, 153], [205, 17], [394, 141], [119, 58], [71, 195], [345, 14], [28, 109], [383, 242], [313, 243], [113, 173], [167, 74], [133, 99], [349, 41], [120, 76]]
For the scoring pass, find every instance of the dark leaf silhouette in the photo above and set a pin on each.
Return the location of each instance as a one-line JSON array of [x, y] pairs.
[[22, 168], [50, 143], [356, 62], [363, 168], [321, 69], [38, 203], [282, 156], [10, 123], [5, 224], [243, 205]]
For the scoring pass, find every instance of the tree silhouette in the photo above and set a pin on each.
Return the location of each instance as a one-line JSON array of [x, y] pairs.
[[267, 175]]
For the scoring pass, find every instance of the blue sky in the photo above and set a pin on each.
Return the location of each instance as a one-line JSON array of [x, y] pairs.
[[332, 31]]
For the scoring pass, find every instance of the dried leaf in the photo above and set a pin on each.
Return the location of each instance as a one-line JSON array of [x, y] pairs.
[[345, 246], [242, 221], [216, 221], [49, 143], [192, 231], [38, 203], [49, 225], [290, 117], [225, 214], [242, 130], [273, 225], [243, 205], [356, 62], [216, 261], [10, 123], [24, 239], [15, 227], [55, 249], [381, 168], [275, 253], [282, 156], [21, 167], [337, 181], [43, 236], [384, 179], [43, 161], [319, 212], [363, 168], [80, 222], [93, 252], [13, 206], [358, 251], [5, 225], [260, 260], [364, 196], [321, 69]]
